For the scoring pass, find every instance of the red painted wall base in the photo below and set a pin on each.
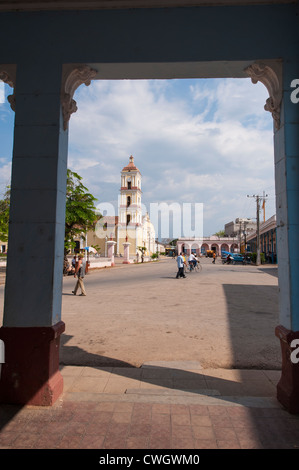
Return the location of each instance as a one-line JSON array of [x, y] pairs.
[[30, 374], [288, 386]]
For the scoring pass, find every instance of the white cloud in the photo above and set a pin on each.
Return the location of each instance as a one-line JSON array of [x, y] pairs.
[[215, 147], [233, 100], [5, 174]]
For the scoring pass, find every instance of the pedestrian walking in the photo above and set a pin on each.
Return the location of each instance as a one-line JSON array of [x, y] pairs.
[[80, 272], [180, 262], [214, 257]]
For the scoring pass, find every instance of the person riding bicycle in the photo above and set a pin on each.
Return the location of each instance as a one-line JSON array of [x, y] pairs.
[[192, 260]]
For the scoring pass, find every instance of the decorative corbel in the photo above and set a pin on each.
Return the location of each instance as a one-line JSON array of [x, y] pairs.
[[271, 76], [6, 77], [72, 80]]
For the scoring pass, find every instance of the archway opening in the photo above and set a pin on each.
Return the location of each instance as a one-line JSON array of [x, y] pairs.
[[167, 177]]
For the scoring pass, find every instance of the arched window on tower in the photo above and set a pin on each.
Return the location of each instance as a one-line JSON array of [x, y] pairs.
[[128, 201], [129, 184]]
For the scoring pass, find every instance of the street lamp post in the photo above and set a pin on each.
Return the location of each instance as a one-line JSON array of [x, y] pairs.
[[258, 248]]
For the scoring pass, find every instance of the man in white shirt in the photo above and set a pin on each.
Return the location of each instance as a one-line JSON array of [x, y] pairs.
[[192, 259]]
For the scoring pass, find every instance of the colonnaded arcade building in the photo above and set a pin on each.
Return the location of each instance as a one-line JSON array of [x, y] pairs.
[[205, 244], [50, 48]]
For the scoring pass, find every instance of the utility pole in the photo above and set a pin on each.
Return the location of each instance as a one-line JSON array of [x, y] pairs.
[[258, 248], [264, 203], [240, 234]]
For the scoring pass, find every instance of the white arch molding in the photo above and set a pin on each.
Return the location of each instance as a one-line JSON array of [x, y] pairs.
[[72, 78], [8, 75], [270, 74]]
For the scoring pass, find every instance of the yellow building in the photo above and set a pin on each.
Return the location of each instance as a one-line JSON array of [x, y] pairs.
[[105, 230]]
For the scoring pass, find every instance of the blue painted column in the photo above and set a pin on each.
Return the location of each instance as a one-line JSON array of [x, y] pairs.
[[287, 194], [32, 309]]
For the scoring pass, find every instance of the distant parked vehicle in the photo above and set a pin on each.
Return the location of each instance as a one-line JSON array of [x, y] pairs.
[[233, 258]]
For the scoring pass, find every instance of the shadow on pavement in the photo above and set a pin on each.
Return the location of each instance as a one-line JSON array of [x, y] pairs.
[[271, 271], [253, 315], [169, 379]]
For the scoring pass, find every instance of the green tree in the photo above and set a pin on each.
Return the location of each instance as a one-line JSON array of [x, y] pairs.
[[4, 215], [80, 213], [220, 234]]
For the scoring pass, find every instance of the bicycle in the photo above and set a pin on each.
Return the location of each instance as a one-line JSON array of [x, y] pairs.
[[197, 268]]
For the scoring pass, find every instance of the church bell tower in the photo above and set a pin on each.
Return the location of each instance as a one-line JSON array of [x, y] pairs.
[[129, 209]]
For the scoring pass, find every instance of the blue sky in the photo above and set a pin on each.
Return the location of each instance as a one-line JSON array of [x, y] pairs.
[[194, 141]]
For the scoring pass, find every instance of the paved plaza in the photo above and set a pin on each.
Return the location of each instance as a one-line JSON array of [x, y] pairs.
[[224, 316], [154, 362]]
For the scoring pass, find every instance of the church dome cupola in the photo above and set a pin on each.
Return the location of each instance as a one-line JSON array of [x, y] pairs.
[[131, 166], [130, 177]]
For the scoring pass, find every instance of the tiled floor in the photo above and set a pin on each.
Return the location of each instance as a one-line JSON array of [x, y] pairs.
[[155, 408], [131, 425]]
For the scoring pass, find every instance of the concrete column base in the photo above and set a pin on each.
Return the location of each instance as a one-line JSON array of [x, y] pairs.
[[126, 246], [110, 245], [288, 385], [30, 374]]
